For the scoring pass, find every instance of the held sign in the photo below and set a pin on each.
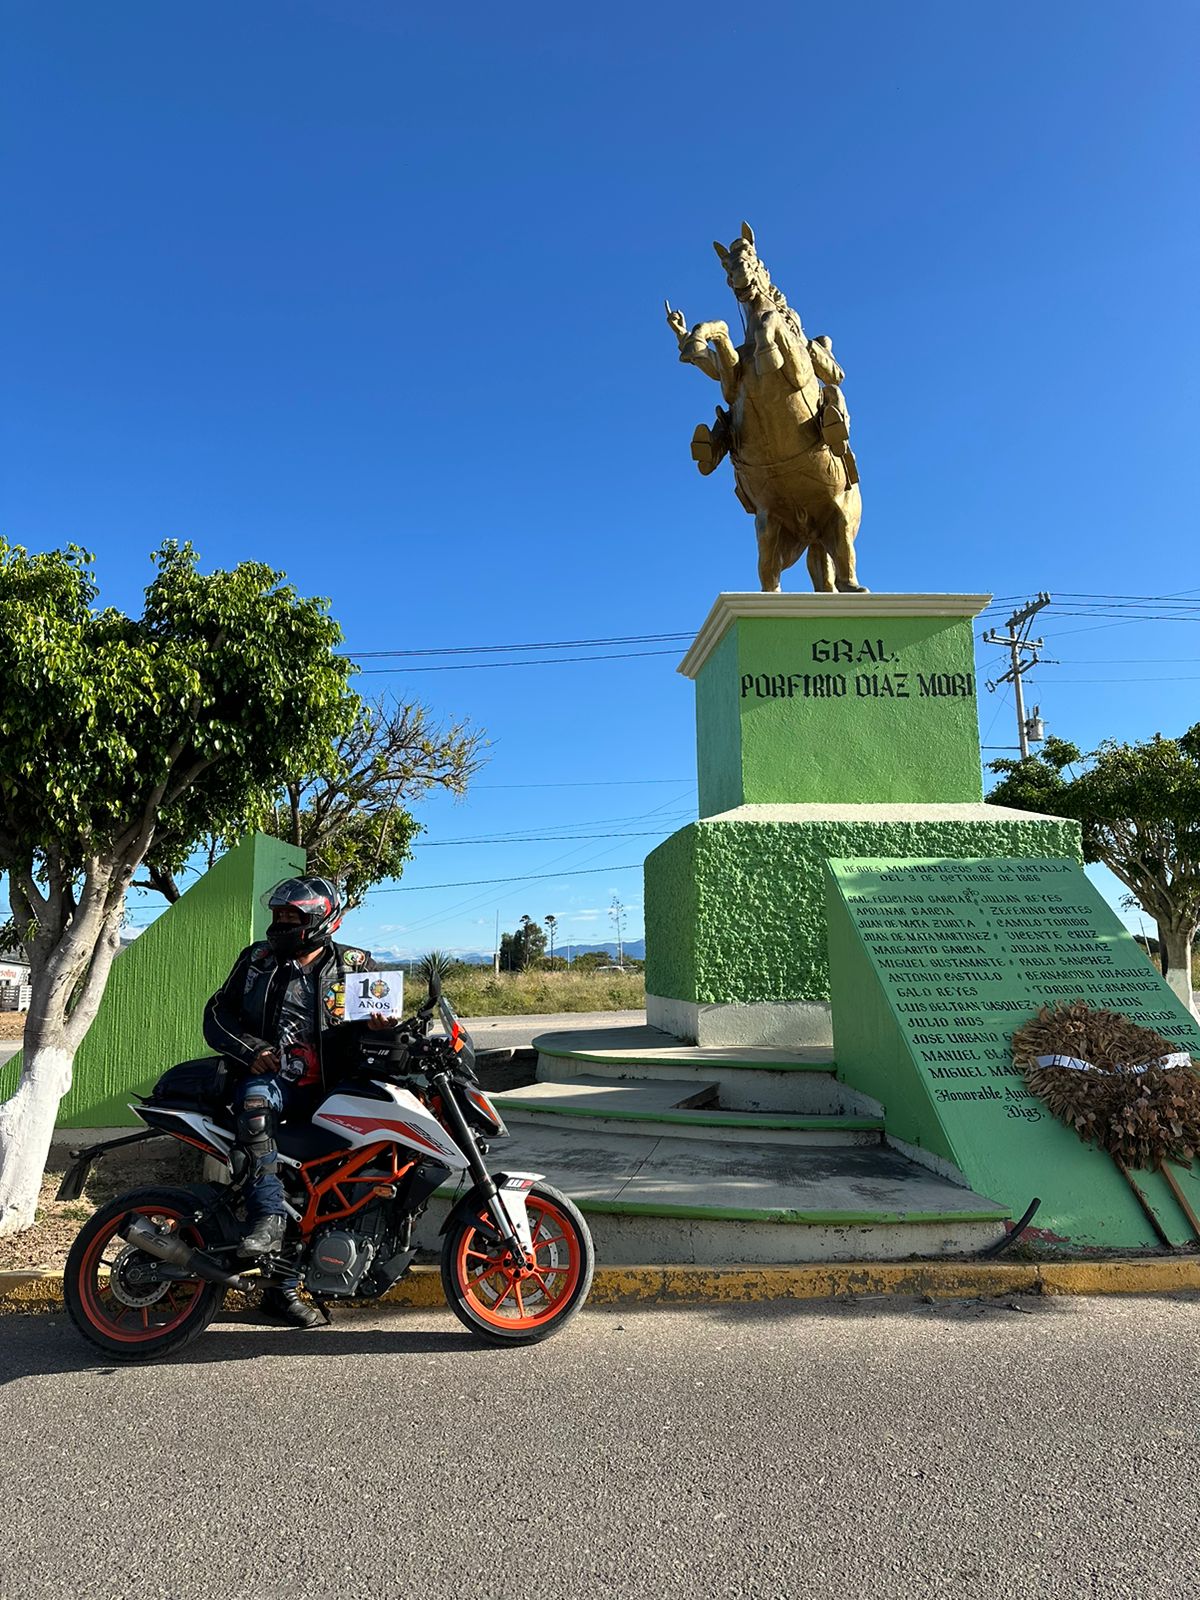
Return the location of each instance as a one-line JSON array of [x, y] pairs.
[[374, 993]]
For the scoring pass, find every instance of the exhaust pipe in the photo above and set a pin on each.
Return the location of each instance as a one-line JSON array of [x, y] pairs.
[[171, 1249]]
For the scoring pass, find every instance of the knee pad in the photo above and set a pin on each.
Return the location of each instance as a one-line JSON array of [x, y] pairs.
[[256, 1123]]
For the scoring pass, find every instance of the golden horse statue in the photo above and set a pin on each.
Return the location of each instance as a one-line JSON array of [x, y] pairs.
[[786, 430]]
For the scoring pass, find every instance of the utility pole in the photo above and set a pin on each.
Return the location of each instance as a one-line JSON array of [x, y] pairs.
[[496, 948], [1017, 641]]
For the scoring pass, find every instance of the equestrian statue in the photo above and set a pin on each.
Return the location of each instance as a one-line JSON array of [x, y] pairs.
[[786, 429]]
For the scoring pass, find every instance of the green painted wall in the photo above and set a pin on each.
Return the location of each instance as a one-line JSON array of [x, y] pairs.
[[719, 729], [672, 952], [933, 965], [780, 720], [150, 1016], [735, 911]]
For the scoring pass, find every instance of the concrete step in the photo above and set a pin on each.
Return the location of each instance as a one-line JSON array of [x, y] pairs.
[[672, 1107], [677, 1200], [797, 1083]]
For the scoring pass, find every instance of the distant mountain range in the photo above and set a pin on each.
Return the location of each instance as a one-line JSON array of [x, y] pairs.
[[636, 948]]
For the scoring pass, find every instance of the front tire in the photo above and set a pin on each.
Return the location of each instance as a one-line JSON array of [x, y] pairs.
[[127, 1319], [500, 1303]]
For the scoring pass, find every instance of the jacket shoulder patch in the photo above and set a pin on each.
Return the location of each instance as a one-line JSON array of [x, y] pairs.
[[355, 960]]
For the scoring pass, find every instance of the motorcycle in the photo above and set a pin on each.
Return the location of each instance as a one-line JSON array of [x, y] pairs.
[[150, 1270]]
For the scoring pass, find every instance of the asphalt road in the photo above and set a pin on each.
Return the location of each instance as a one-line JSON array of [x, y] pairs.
[[880, 1448]]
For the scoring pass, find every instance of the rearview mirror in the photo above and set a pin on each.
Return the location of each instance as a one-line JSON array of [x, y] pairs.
[[435, 986]]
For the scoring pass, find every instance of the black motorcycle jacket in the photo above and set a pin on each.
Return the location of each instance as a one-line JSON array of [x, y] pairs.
[[242, 1018]]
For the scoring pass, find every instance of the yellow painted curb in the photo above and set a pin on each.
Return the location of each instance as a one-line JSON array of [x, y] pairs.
[[943, 1280]]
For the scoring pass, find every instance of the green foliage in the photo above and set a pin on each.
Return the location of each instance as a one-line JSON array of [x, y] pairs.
[[1138, 806], [436, 962], [111, 725], [523, 949], [589, 960], [120, 734]]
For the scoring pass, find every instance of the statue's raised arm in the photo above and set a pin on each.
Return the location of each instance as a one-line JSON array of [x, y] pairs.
[[787, 428], [706, 346]]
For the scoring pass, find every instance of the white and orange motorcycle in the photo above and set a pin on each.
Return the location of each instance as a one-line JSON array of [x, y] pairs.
[[149, 1271]]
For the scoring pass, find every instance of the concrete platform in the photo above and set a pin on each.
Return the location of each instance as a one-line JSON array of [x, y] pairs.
[[790, 1083], [652, 1047], [684, 1200], [680, 1107]]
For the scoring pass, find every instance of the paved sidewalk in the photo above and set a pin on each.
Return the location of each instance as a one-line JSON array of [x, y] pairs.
[[517, 1033]]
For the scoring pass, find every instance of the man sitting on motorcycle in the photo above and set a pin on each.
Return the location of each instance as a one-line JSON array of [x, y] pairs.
[[278, 1021]]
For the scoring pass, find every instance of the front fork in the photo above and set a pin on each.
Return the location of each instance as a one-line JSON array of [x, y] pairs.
[[485, 1184]]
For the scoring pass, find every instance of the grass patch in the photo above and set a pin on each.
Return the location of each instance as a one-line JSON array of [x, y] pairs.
[[477, 992]]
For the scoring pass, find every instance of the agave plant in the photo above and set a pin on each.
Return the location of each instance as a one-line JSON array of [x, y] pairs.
[[437, 962]]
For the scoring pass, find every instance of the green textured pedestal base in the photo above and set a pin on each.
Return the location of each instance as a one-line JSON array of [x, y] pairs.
[[736, 931]]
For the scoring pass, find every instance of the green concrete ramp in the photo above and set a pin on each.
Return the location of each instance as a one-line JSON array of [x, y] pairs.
[[150, 1016], [933, 965]]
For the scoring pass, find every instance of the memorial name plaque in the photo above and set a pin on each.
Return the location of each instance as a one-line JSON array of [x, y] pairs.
[[934, 964]]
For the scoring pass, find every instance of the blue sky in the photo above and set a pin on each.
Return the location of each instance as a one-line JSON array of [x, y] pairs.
[[374, 293]]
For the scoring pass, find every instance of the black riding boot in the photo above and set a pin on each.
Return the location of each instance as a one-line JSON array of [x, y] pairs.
[[287, 1305]]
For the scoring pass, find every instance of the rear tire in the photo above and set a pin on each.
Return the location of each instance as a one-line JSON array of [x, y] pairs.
[[500, 1304], [127, 1320]]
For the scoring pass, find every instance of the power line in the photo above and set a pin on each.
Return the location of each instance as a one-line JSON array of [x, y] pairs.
[[1069, 603], [590, 783], [1069, 683], [472, 902], [542, 661], [550, 838], [532, 877], [545, 644]]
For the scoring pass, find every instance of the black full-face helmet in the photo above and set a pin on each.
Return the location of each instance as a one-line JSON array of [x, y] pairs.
[[319, 906]]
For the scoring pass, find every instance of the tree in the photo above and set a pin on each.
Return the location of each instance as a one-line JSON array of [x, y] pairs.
[[120, 736], [351, 815], [1139, 809], [520, 950], [551, 926]]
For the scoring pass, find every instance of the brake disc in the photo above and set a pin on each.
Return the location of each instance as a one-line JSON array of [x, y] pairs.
[[134, 1294]]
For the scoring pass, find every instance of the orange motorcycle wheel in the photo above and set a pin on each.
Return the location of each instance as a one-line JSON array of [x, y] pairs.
[[109, 1298], [505, 1301]]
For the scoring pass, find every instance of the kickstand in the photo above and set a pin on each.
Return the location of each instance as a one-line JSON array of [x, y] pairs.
[[322, 1308]]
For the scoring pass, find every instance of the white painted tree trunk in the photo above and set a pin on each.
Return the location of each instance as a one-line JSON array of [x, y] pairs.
[[1178, 945], [26, 1127]]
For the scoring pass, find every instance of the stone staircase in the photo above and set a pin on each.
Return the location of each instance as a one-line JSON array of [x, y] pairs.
[[679, 1154]]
